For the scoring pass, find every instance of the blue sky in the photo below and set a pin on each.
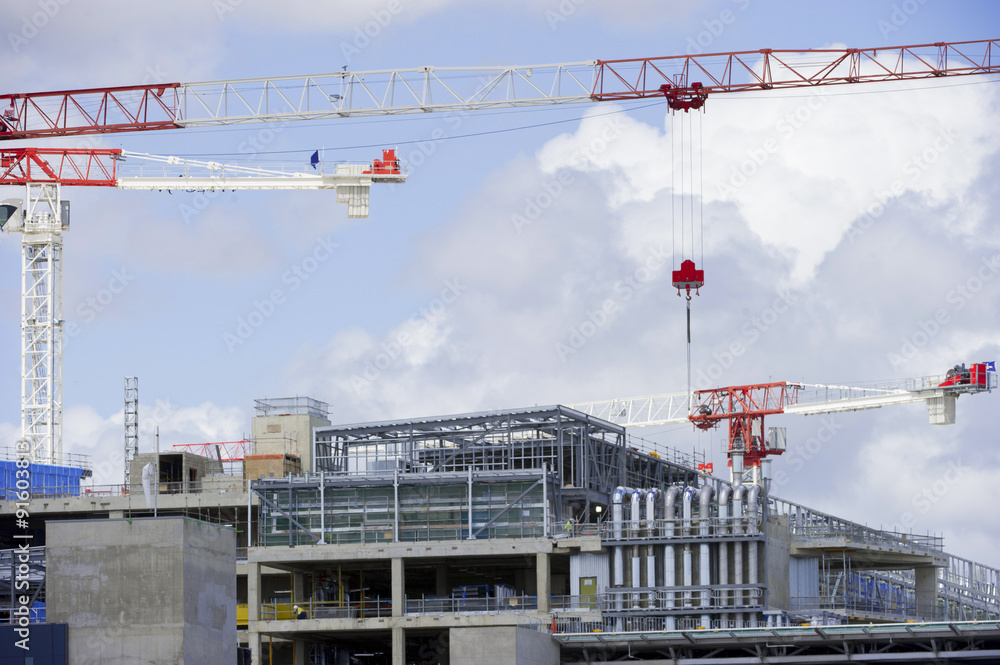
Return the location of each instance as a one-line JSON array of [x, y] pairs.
[[484, 305]]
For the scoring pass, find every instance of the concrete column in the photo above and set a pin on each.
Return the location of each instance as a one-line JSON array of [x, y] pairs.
[[441, 586], [398, 596], [298, 587], [398, 644], [926, 591], [544, 584], [301, 653], [253, 612]]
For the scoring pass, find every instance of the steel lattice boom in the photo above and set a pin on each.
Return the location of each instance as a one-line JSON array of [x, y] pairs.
[[685, 80]]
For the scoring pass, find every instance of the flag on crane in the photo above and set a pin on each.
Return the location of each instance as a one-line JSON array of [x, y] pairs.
[[991, 366], [314, 160]]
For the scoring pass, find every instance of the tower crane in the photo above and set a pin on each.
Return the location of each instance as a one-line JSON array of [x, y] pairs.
[[685, 82], [42, 216], [744, 407]]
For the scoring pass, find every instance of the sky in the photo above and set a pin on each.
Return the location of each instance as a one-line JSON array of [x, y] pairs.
[[848, 236]]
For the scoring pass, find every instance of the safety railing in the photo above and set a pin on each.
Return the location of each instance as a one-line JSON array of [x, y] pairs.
[[712, 528], [855, 533], [449, 605], [233, 484], [334, 609]]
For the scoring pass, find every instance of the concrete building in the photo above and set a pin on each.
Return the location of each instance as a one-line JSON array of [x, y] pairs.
[[156, 590], [544, 535]]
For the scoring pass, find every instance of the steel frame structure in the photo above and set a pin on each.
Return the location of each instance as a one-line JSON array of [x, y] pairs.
[[588, 454]]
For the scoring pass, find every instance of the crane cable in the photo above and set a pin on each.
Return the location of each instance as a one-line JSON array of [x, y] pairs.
[[688, 201]]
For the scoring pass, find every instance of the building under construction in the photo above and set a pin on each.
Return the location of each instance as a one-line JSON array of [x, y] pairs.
[[539, 535]]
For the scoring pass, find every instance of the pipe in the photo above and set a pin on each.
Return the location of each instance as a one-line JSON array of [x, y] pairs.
[[618, 572], [737, 511], [635, 526], [651, 532], [689, 493], [753, 526], [669, 550], [736, 470], [723, 528], [635, 519], [651, 510], [616, 512], [704, 563]]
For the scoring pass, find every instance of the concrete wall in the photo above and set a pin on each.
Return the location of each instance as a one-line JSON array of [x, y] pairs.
[[144, 590], [290, 434], [776, 558], [203, 466], [502, 645]]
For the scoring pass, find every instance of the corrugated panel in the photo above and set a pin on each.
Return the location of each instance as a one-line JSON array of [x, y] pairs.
[[588, 564], [45, 479], [803, 574]]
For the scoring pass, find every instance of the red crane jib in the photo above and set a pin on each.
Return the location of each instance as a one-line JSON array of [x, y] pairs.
[[66, 166], [744, 407]]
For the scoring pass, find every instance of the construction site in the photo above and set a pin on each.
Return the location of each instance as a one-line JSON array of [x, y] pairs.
[[540, 535]]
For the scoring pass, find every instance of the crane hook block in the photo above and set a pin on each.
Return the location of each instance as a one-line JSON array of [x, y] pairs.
[[688, 278]]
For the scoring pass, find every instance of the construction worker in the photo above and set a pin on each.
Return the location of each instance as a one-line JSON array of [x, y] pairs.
[[299, 612]]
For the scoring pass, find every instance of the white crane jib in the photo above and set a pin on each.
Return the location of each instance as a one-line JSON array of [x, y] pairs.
[[41, 217]]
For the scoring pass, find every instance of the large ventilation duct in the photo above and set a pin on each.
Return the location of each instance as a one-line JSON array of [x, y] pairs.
[[723, 528], [670, 551], [651, 531], [635, 531], [617, 518], [737, 522], [689, 493], [704, 563], [753, 526]]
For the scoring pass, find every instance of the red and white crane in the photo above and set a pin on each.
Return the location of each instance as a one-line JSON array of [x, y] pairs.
[[744, 407], [41, 217], [685, 82]]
